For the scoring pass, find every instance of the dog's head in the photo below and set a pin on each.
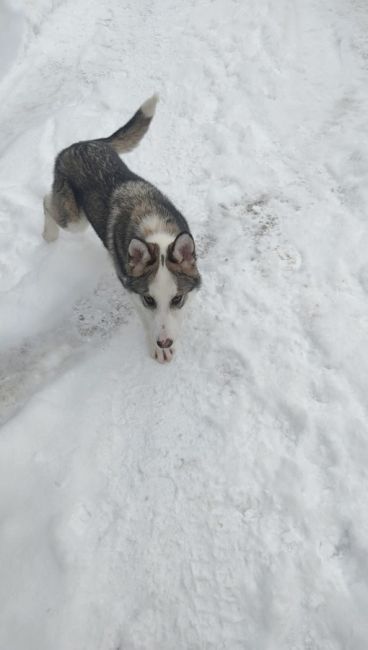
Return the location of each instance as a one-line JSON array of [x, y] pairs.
[[162, 275]]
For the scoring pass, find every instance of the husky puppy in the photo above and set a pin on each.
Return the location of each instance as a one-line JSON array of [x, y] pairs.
[[148, 239]]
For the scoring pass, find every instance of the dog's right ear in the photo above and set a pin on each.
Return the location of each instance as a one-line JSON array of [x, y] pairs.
[[181, 255], [142, 257]]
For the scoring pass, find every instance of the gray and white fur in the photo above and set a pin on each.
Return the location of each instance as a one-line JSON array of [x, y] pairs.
[[148, 239]]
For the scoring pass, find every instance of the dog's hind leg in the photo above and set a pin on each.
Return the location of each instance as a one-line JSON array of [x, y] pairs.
[[51, 228], [62, 211]]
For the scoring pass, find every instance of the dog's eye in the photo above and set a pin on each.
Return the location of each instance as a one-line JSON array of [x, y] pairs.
[[177, 300], [149, 301]]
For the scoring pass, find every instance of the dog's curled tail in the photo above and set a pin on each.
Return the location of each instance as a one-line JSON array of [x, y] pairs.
[[130, 135]]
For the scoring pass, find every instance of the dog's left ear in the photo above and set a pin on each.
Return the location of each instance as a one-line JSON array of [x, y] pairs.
[[142, 257], [181, 253]]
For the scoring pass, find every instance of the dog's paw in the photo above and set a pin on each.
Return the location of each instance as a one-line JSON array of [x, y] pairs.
[[51, 230], [163, 355], [50, 235]]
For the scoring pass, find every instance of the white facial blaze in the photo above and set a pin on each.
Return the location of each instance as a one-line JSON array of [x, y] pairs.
[[164, 321]]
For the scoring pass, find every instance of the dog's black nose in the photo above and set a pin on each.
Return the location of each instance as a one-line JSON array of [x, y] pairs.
[[167, 343]]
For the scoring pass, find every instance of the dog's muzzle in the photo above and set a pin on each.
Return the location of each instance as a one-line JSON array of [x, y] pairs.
[[166, 343]]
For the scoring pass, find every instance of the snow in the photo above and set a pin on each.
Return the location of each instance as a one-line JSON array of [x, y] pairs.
[[219, 502]]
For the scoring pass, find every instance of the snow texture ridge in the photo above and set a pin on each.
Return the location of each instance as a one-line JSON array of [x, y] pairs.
[[218, 503]]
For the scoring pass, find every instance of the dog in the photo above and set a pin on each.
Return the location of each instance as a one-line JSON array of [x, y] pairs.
[[148, 239]]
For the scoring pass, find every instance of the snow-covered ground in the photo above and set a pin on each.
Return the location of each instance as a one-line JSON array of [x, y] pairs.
[[221, 502]]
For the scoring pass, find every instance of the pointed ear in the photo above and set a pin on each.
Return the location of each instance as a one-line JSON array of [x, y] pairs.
[[142, 257], [182, 250], [181, 260]]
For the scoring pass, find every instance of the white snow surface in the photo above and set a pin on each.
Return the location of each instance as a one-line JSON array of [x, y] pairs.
[[219, 502]]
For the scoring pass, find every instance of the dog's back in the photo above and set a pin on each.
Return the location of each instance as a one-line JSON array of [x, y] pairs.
[[87, 173]]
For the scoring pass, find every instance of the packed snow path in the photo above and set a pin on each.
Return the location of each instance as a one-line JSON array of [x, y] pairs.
[[218, 503]]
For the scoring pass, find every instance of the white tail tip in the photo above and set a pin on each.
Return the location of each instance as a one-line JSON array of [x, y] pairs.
[[149, 106]]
